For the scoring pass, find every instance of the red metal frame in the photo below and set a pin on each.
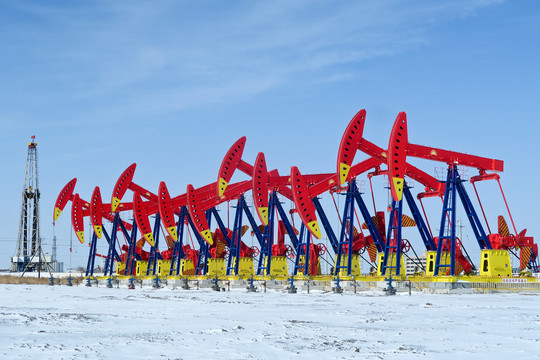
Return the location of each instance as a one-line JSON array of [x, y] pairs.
[[304, 205], [96, 214], [197, 214], [261, 188], [141, 218], [77, 217], [397, 156], [166, 210], [65, 195]]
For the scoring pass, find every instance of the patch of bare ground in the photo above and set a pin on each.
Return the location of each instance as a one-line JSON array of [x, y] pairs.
[[44, 280]]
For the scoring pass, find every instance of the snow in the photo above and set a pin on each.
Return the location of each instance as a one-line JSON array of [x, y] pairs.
[[44, 322]]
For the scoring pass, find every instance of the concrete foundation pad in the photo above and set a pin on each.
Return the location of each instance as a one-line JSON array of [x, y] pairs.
[[452, 285]]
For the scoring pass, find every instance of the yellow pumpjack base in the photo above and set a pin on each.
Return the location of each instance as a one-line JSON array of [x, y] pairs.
[[495, 267], [391, 262]]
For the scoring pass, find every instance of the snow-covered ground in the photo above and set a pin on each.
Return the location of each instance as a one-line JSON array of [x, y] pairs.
[[43, 322]]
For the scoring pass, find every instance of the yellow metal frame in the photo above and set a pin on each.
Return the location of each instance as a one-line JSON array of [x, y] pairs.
[[140, 268], [430, 262], [216, 267], [163, 267], [390, 262], [356, 270], [278, 266], [302, 262], [120, 267], [495, 263], [246, 267]]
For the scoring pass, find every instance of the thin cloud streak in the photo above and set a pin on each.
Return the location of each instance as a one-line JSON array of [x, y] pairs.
[[192, 60]]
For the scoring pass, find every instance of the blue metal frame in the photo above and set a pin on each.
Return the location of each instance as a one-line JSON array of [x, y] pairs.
[[241, 207], [178, 251], [155, 255], [287, 224], [420, 223], [131, 256], [394, 233], [234, 248], [91, 256], [454, 185], [253, 224], [267, 238], [373, 231], [474, 220], [202, 260], [203, 245], [112, 254], [449, 210], [112, 242], [302, 248], [221, 225], [533, 261], [347, 228], [346, 236], [326, 225]]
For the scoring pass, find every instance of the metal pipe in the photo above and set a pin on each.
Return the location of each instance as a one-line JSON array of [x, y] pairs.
[[417, 257], [507, 208], [372, 195], [425, 217], [481, 207]]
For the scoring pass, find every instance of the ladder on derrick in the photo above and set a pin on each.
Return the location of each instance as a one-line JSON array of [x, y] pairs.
[[303, 249], [345, 242], [393, 240]]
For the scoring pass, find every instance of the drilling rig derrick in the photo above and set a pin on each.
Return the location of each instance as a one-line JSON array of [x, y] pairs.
[[29, 252]]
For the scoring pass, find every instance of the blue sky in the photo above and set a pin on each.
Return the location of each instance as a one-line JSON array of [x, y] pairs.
[[104, 84]]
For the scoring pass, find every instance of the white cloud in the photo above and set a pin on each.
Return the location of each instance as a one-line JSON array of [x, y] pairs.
[[166, 57]]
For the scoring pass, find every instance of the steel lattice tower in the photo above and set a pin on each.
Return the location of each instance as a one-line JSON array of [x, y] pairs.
[[29, 241]]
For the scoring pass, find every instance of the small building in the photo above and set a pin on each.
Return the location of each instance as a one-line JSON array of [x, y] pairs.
[[20, 264], [412, 263]]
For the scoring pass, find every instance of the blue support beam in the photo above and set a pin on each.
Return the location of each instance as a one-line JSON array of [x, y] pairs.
[[454, 186], [533, 261], [302, 248], [178, 251], [253, 224], [393, 239], [265, 257], [346, 235], [91, 256], [274, 206], [326, 225], [233, 262], [287, 224], [221, 226], [154, 250], [241, 207], [112, 255], [373, 231], [353, 197], [201, 265], [420, 223], [131, 254], [448, 222], [204, 252], [474, 220]]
